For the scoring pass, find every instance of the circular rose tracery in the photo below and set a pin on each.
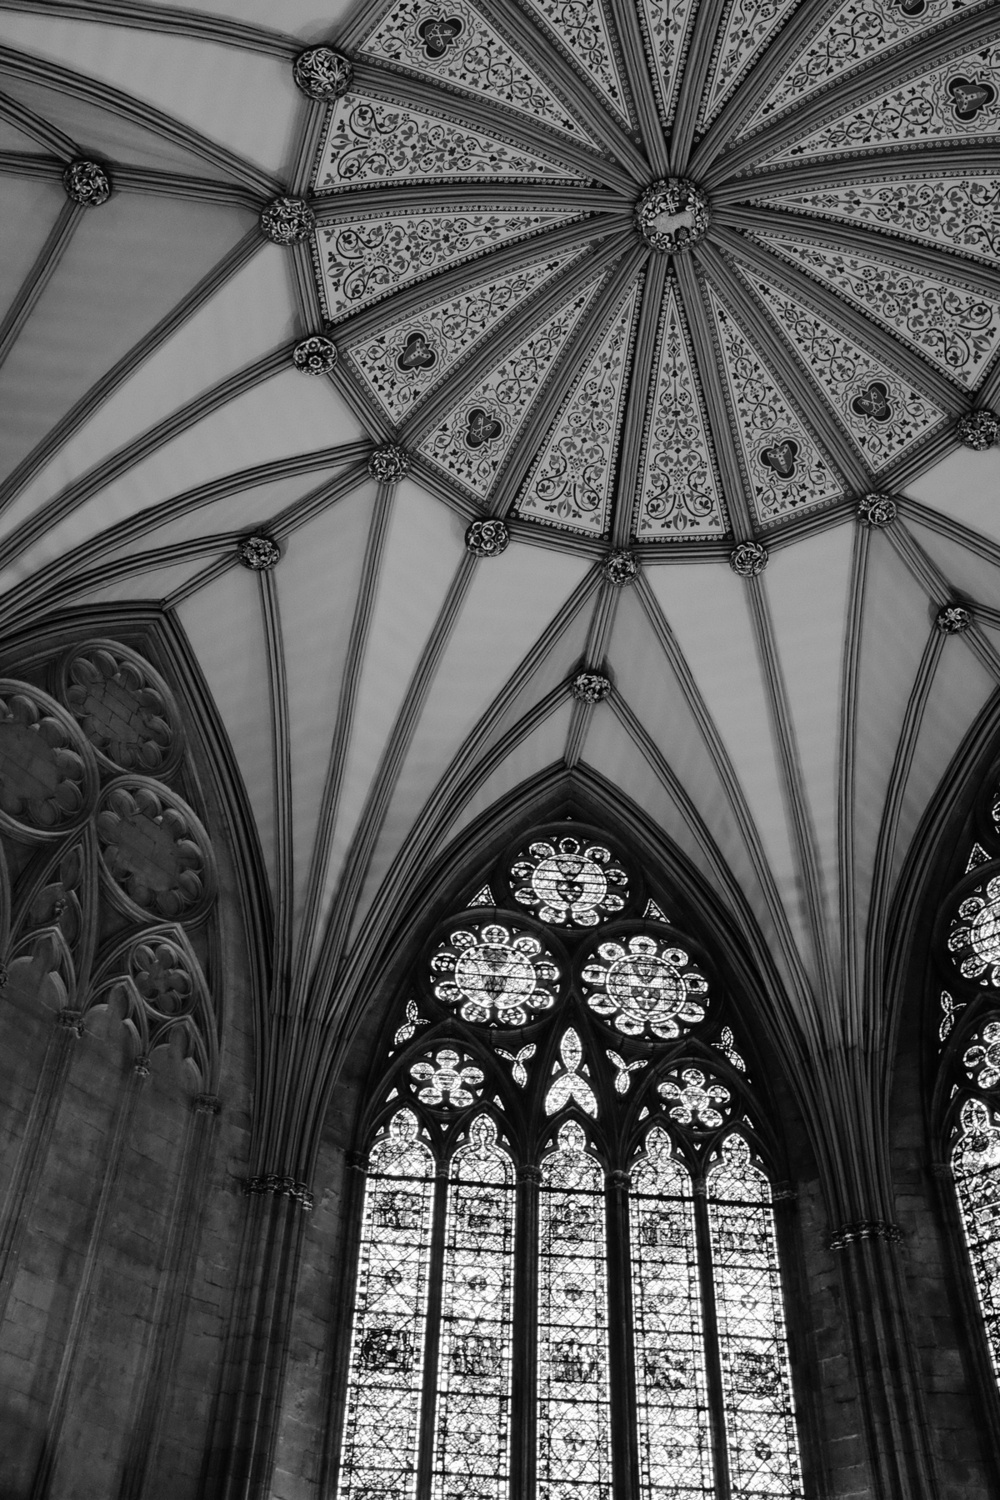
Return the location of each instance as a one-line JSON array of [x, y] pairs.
[[155, 852], [974, 939], [123, 708], [493, 974], [569, 881], [644, 984], [47, 780]]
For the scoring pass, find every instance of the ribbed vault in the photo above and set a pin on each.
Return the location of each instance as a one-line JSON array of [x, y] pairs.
[[382, 686]]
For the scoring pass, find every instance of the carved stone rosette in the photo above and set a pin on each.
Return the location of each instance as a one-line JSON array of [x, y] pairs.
[[748, 559], [286, 221], [321, 73], [876, 510], [672, 215], [590, 687], [487, 538], [87, 183], [953, 619], [388, 463], [258, 553], [621, 568], [979, 429], [315, 356]]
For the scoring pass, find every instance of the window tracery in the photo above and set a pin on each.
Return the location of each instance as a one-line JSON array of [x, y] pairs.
[[568, 1253], [967, 1097]]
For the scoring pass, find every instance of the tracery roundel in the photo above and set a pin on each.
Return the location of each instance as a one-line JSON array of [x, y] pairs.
[[569, 881], [494, 974], [645, 985], [974, 939]]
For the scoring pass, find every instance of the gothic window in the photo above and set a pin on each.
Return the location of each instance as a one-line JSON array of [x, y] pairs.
[[568, 1276], [968, 1036]]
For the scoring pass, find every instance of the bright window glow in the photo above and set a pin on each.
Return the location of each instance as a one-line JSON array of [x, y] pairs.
[[472, 1427], [760, 1427], [675, 1452], [574, 1437], [976, 1164], [382, 1427]]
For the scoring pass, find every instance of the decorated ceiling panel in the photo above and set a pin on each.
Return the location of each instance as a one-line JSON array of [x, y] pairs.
[[551, 321], [694, 397]]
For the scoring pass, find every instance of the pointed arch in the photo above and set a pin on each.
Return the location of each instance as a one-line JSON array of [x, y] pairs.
[[572, 1063]]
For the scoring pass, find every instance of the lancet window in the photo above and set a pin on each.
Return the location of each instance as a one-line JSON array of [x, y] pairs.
[[967, 1101], [567, 1279]]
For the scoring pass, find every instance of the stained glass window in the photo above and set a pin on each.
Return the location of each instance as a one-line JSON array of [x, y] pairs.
[[387, 1353], [967, 1025], [976, 1164], [472, 1432], [567, 1215], [760, 1435], [675, 1451], [574, 1457]]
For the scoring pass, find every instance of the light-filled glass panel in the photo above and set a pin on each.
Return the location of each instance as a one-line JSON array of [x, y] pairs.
[[574, 1439], [976, 1164], [675, 1453], [760, 1425], [382, 1426], [472, 1425]]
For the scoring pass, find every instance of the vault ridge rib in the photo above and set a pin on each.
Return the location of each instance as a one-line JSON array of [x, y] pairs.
[[38, 276], [46, 583], [804, 837], [116, 102], [140, 448], [51, 139], [847, 782], [281, 750], [356, 860], [168, 18], [350, 685], [224, 269], [880, 72], [726, 772]]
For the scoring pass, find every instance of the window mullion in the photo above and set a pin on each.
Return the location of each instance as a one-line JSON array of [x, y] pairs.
[[713, 1357], [524, 1417], [432, 1344], [621, 1342]]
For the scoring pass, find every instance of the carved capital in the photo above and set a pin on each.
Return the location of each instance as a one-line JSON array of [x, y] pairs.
[[620, 1181], [280, 1187], [206, 1104], [529, 1174], [70, 1020], [865, 1229]]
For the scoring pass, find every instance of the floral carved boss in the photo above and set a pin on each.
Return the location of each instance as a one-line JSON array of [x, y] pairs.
[[524, 292]]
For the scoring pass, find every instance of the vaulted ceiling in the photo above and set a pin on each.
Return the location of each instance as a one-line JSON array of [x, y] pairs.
[[796, 319]]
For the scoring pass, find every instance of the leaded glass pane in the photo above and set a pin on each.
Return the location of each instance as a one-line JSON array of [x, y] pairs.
[[494, 975], [760, 1427], [472, 1431], [381, 1430], [645, 986], [976, 1164], [675, 1459], [574, 1440], [569, 881]]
